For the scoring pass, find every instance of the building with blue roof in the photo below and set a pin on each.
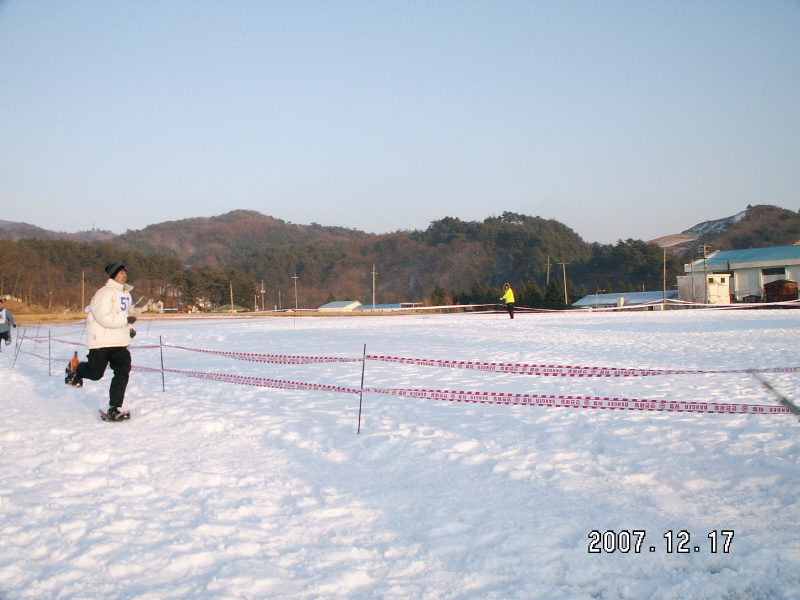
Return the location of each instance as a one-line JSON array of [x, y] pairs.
[[743, 272], [625, 299], [340, 306], [352, 305]]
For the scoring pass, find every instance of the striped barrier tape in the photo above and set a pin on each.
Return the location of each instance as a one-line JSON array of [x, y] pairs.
[[515, 368], [144, 369], [543, 401], [20, 351], [561, 370], [265, 382], [286, 359], [593, 402], [81, 344], [495, 367]]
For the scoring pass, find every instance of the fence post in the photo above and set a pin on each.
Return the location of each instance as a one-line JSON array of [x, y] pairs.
[[49, 355], [19, 344], [161, 349], [361, 390]]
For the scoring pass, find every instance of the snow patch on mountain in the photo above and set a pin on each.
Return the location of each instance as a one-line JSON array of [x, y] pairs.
[[717, 226]]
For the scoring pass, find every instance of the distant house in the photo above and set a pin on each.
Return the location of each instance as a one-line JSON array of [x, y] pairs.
[[152, 305], [340, 306], [228, 308], [625, 299], [744, 273]]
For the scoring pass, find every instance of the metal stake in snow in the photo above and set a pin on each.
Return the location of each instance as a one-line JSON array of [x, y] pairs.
[[783, 399], [361, 393], [161, 349], [19, 343]]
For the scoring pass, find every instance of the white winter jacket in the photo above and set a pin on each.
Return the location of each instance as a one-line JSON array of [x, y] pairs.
[[107, 321]]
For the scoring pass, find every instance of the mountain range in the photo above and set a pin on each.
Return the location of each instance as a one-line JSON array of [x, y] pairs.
[[337, 262], [215, 241]]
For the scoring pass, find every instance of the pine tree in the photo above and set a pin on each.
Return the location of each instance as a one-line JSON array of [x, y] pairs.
[[438, 296]]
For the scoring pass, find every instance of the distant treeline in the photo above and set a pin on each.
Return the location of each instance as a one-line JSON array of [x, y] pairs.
[[60, 274], [452, 261]]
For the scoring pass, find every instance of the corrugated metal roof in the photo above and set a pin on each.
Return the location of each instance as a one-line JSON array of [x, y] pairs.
[[631, 298], [378, 306], [342, 304], [752, 255]]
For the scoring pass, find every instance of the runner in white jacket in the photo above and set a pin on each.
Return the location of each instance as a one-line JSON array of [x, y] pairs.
[[109, 334], [6, 319]]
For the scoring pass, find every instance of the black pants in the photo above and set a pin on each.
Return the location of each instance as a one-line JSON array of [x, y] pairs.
[[510, 307], [120, 360]]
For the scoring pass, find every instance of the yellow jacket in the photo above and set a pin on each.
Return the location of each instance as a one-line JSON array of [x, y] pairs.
[[508, 296]]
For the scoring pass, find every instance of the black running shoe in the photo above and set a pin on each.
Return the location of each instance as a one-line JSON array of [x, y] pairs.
[[114, 414], [71, 378]]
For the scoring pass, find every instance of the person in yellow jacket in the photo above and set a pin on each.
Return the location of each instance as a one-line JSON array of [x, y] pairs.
[[508, 299]]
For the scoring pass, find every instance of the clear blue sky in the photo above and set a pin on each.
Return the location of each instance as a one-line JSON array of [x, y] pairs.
[[620, 119]]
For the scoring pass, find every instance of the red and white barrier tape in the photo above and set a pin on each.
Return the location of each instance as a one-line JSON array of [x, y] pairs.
[[41, 340], [65, 342], [264, 382], [584, 402], [513, 368], [42, 357], [286, 359], [145, 369], [595, 402], [560, 370], [544, 401]]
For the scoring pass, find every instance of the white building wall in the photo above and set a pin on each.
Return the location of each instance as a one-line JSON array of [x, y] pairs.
[[714, 288], [747, 282]]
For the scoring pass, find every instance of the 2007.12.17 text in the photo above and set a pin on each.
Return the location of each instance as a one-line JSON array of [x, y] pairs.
[[624, 541]]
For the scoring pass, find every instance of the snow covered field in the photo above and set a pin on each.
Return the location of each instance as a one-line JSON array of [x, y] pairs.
[[217, 490]]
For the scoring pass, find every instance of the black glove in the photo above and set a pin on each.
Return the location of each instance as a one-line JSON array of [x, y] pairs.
[[131, 320], [132, 331], [14, 325]]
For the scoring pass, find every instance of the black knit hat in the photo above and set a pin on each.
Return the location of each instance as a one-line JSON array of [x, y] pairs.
[[113, 268]]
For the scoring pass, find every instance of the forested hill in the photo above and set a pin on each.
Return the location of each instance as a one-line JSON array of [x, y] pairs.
[[218, 241], [451, 261], [761, 226], [10, 230], [450, 253]]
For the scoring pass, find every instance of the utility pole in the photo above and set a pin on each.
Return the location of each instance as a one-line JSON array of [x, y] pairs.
[[548, 269], [705, 274], [373, 286], [595, 296], [665, 278], [83, 290], [564, 267], [295, 277], [262, 296], [231, 284]]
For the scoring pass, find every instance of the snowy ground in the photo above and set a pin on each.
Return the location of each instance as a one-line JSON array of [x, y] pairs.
[[216, 490]]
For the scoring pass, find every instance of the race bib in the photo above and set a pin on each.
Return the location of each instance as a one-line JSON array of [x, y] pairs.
[[2, 316], [124, 302]]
